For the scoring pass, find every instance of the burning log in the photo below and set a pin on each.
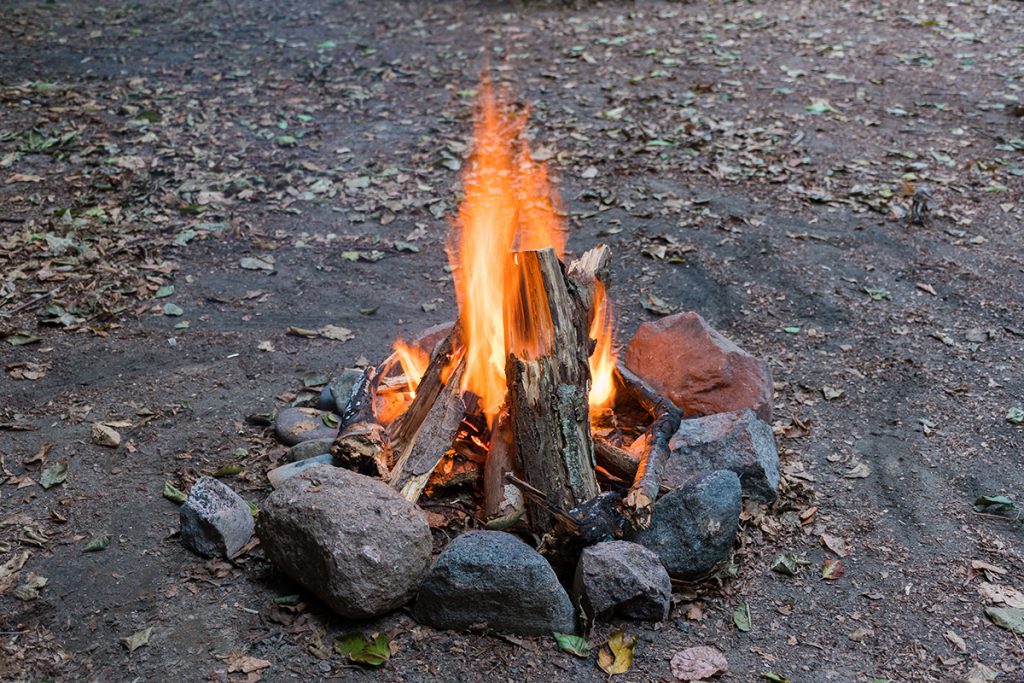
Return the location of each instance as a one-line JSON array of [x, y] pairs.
[[435, 413], [547, 388], [589, 273], [434, 438], [362, 444], [617, 461], [502, 500], [639, 502]]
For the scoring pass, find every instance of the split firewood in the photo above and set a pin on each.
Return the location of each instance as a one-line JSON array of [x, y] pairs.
[[502, 500], [361, 445], [639, 501], [547, 389], [435, 436], [586, 272], [413, 466]]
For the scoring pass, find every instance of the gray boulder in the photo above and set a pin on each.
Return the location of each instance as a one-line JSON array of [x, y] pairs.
[[619, 578], [295, 425], [492, 580], [352, 541], [280, 475], [215, 521], [309, 449], [694, 527], [737, 441]]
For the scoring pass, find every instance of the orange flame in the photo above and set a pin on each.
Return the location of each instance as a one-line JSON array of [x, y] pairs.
[[395, 394], [602, 360], [509, 206]]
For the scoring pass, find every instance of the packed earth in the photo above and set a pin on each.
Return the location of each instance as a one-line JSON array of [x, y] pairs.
[[209, 210]]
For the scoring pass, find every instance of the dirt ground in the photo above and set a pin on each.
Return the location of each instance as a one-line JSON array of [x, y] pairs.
[[755, 161]]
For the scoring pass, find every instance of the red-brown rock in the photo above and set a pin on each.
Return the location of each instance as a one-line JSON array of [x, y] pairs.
[[698, 369]]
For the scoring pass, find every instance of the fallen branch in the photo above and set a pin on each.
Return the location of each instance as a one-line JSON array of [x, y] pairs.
[[639, 501]]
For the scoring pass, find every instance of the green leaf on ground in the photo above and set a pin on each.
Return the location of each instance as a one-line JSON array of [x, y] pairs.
[[791, 330], [741, 617], [786, 564], [173, 310], [1010, 618], [174, 494], [878, 293], [101, 542], [1015, 415], [363, 650], [54, 475], [574, 645], [137, 639], [996, 505], [772, 676], [228, 470]]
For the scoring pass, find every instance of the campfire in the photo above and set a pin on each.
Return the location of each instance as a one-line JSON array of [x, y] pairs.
[[521, 383], [518, 420]]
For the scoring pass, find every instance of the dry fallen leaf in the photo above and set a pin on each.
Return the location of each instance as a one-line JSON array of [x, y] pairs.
[[616, 657], [103, 435], [239, 663], [837, 545], [697, 663], [1001, 595], [858, 471], [137, 639], [336, 333]]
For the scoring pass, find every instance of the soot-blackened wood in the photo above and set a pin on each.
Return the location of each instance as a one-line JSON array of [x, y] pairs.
[[547, 394], [618, 461], [362, 444], [435, 437], [639, 501]]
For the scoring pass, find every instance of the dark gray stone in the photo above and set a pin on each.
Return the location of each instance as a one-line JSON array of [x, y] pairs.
[[295, 425], [309, 449], [492, 580], [694, 527], [280, 475], [215, 521], [737, 441], [619, 578], [337, 394], [352, 541]]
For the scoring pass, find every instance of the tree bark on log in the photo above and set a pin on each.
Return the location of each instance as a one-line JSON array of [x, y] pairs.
[[362, 445], [434, 438], [435, 412], [547, 389]]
